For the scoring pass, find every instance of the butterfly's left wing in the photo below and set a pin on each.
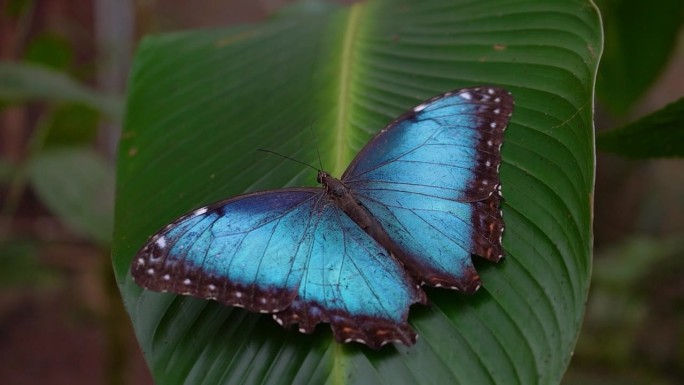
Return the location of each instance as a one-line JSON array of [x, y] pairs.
[[289, 252], [431, 178]]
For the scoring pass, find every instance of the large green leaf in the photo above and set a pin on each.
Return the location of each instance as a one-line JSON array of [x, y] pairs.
[[201, 103]]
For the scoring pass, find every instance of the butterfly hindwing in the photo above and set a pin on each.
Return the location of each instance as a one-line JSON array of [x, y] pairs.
[[431, 179], [290, 252], [353, 283]]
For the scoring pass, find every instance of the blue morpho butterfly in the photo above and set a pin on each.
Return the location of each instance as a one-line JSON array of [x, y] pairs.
[[418, 200]]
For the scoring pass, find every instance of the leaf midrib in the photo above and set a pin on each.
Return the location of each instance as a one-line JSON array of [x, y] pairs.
[[340, 148]]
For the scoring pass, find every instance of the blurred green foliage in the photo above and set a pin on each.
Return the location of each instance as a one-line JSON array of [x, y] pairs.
[[77, 185], [660, 134], [635, 315], [640, 37], [25, 82], [70, 123], [21, 267], [51, 50], [16, 8], [633, 332], [73, 125]]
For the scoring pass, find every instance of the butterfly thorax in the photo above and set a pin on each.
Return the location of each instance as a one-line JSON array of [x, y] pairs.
[[343, 198]]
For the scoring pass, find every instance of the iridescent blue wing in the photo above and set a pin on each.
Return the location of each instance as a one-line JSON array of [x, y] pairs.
[[289, 252], [431, 178]]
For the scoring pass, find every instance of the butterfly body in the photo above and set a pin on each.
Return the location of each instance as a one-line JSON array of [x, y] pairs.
[[411, 209], [344, 199]]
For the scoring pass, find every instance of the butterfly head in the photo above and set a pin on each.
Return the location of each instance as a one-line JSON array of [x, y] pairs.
[[332, 185], [322, 177]]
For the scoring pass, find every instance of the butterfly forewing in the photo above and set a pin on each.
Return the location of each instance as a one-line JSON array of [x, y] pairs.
[[240, 252], [431, 178]]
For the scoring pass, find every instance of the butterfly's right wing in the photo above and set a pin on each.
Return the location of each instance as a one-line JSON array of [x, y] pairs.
[[431, 179], [290, 252]]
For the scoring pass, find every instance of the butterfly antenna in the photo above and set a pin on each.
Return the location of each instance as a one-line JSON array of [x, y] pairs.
[[315, 139], [287, 157]]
